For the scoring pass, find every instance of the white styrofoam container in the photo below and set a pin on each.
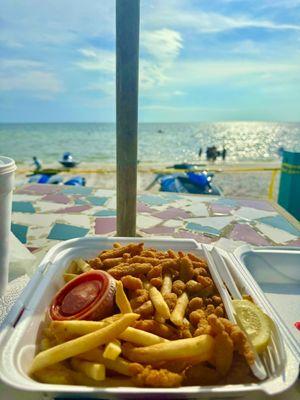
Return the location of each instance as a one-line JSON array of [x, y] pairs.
[[21, 328]]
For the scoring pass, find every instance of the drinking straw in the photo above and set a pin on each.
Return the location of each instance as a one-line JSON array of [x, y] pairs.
[[127, 62]]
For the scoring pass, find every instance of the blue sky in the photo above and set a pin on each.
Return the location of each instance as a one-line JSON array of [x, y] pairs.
[[200, 60]]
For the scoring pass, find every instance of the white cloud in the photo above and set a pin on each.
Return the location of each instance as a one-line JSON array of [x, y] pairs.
[[197, 73], [16, 63], [162, 44], [30, 76], [32, 81], [179, 14], [98, 60]]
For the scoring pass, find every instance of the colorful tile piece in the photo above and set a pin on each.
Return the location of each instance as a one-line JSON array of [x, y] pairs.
[[146, 221], [247, 234], [191, 235], [25, 197], [47, 207], [34, 219], [294, 243], [258, 204], [153, 200], [20, 231], [279, 222], [80, 202], [171, 196], [23, 206], [250, 214], [198, 209], [174, 223], [227, 202], [112, 203], [97, 201], [204, 229], [65, 232], [171, 212], [143, 208], [73, 209], [277, 235], [159, 230], [219, 209], [74, 219], [214, 222], [105, 213], [105, 225], [56, 198], [42, 189], [76, 190]]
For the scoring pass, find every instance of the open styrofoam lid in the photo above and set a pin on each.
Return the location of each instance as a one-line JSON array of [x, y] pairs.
[[277, 272]]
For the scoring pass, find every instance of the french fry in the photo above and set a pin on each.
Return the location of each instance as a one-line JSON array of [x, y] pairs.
[[82, 265], [112, 350], [72, 328], [69, 329], [140, 337], [45, 344], [69, 277], [56, 374], [92, 370], [159, 303], [81, 379], [82, 344], [121, 299], [177, 315], [72, 268], [119, 365], [200, 347], [166, 285], [146, 285]]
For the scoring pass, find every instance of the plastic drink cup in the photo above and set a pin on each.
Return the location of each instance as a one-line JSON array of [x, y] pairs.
[[7, 171]]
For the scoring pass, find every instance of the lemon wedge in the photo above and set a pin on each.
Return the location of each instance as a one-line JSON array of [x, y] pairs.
[[254, 322]]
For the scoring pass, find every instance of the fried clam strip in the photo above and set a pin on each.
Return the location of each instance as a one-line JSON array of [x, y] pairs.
[[142, 260], [158, 378], [200, 348], [162, 330], [119, 365], [82, 344], [238, 337], [131, 248], [129, 269], [70, 329]]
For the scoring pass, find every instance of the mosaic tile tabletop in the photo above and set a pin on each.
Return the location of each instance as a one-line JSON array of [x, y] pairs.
[[45, 214]]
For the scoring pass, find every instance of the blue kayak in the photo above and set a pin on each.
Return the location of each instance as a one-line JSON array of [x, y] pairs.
[[190, 182]]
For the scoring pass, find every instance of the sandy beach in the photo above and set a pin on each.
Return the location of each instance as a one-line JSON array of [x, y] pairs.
[[243, 179]]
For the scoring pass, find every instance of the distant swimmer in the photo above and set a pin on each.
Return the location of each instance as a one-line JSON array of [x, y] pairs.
[[200, 152], [37, 163], [224, 153]]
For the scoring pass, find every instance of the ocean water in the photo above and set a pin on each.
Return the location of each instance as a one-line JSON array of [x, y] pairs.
[[158, 142]]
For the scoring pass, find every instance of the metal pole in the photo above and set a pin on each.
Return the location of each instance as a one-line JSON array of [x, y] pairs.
[[127, 48]]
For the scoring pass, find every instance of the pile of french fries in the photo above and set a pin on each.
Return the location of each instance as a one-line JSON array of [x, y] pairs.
[[111, 352]]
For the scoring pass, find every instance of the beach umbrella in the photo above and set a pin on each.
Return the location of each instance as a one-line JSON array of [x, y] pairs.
[[127, 63]]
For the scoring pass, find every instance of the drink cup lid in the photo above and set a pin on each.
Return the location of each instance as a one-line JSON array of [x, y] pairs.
[[7, 165]]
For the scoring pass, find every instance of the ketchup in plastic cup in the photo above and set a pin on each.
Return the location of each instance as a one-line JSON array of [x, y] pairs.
[[89, 296], [7, 171]]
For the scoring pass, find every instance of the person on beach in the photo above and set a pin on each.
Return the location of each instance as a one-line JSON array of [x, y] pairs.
[[200, 152], [37, 163], [224, 152]]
